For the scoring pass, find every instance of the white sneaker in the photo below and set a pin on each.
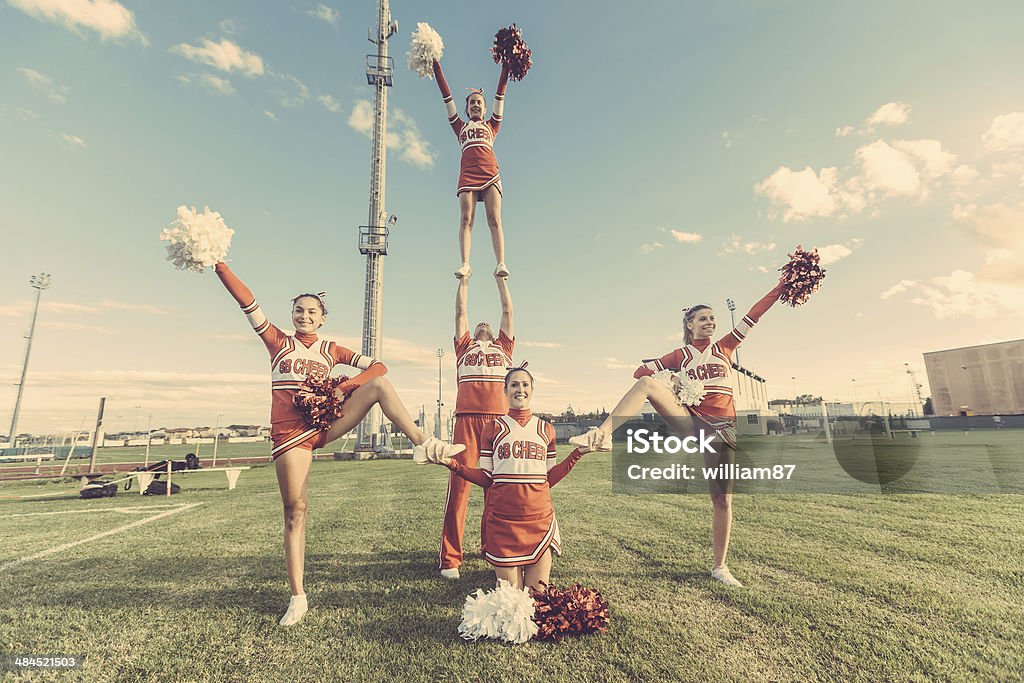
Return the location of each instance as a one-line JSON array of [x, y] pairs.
[[463, 271], [436, 451], [595, 440], [450, 574], [501, 270], [297, 609], [723, 575]]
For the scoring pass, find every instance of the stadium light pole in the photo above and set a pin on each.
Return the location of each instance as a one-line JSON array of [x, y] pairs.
[[732, 315], [437, 429], [39, 283]]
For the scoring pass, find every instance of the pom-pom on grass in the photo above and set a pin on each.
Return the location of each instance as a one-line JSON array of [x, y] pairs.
[[801, 277], [197, 240], [574, 611], [426, 46], [505, 613], [318, 402], [510, 49]]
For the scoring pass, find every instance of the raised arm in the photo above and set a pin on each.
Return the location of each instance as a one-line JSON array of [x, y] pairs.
[[272, 337], [743, 327], [446, 95], [499, 100], [506, 306], [462, 308]]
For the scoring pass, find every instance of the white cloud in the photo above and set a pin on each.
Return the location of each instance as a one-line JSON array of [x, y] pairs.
[[299, 97], [844, 131], [539, 344], [735, 244], [361, 118], [1006, 133], [216, 84], [806, 194], [107, 18], [728, 139], [890, 114], [404, 136], [997, 287], [270, 115], [224, 55], [325, 13], [648, 248], [73, 140], [889, 170], [686, 237], [43, 83], [830, 253], [964, 175], [228, 26], [612, 363], [330, 103], [932, 159]]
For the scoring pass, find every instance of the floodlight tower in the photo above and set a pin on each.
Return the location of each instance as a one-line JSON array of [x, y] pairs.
[[373, 237], [39, 283]]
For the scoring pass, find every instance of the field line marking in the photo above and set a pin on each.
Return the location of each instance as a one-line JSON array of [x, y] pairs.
[[128, 510], [126, 527]]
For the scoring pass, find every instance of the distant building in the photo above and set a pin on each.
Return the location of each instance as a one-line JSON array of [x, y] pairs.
[[978, 380], [750, 396]]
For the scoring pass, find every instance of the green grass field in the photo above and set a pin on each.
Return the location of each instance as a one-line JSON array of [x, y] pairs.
[[864, 587]]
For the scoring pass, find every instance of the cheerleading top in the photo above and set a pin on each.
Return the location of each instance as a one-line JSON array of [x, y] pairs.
[[479, 167], [517, 465], [481, 367], [711, 363], [295, 358]]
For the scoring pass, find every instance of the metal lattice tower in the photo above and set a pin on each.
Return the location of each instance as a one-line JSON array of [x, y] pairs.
[[373, 237]]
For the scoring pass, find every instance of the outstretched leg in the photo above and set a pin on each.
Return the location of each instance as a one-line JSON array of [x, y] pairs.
[[646, 389], [492, 205], [467, 211], [358, 404]]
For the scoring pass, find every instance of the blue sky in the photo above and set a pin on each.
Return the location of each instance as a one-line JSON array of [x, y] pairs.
[[651, 159]]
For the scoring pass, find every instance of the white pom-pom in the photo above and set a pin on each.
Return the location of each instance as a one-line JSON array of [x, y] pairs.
[[505, 613], [197, 240], [426, 46], [689, 392]]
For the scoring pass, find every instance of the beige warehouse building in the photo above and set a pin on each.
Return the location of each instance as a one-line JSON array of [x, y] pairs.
[[978, 380]]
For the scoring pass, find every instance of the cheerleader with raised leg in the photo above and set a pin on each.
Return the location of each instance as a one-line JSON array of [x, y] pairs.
[[297, 359], [691, 388]]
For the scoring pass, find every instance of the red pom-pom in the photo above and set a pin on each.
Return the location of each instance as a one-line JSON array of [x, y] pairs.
[[318, 401], [801, 277], [510, 50], [574, 611]]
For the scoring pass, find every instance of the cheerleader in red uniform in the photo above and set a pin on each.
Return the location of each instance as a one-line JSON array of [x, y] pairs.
[[517, 467], [710, 363], [479, 179], [294, 358]]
